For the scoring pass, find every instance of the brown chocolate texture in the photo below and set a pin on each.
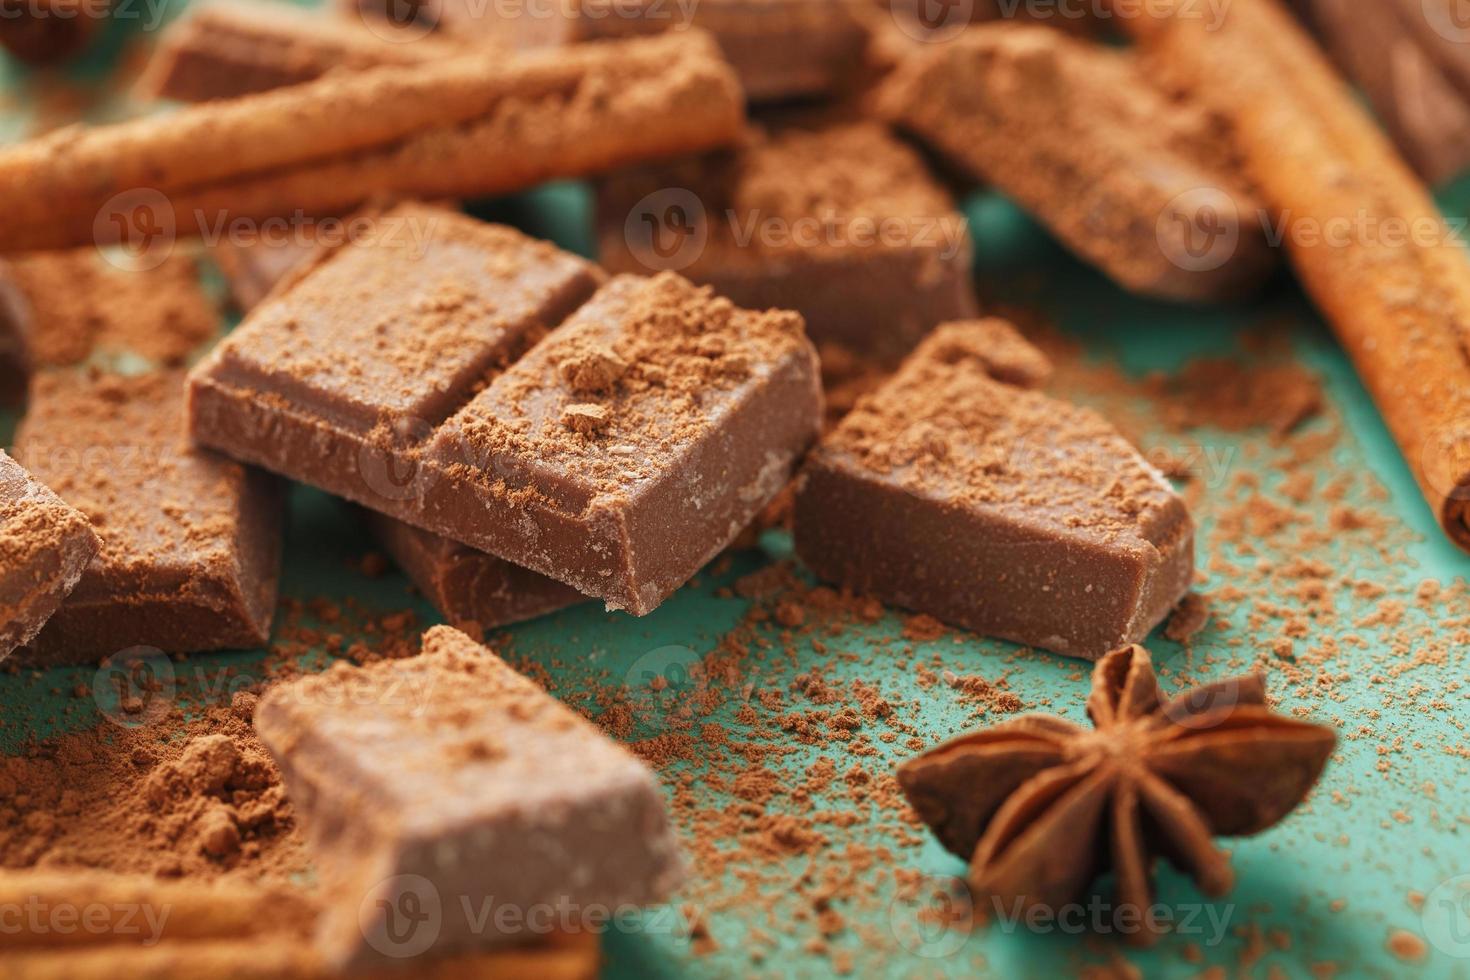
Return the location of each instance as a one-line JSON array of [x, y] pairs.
[[627, 448], [222, 50], [1137, 184], [474, 591], [842, 223], [780, 49], [533, 807], [190, 541], [1413, 94], [960, 491], [45, 546]]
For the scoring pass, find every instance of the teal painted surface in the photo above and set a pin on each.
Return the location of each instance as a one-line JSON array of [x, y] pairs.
[[1335, 879]]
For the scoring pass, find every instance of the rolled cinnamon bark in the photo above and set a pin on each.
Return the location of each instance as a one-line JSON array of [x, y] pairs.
[[469, 125], [52, 910], [89, 925], [1366, 238]]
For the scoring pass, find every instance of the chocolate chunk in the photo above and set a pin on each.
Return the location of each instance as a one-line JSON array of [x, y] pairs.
[[396, 379], [1145, 188], [994, 507], [1411, 92], [222, 50], [450, 780], [472, 589], [780, 49], [191, 541], [15, 345], [44, 548], [252, 266], [842, 223]]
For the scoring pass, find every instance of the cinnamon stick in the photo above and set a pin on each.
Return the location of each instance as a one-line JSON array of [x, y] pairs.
[[1366, 238], [473, 124], [90, 925]]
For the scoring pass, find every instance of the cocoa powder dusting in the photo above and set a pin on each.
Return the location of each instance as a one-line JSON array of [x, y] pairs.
[[196, 798]]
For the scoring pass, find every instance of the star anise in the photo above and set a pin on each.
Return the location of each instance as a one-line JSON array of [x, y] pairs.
[[1040, 806]]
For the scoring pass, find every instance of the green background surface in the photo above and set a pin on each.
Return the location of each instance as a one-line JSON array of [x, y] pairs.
[[1335, 877]]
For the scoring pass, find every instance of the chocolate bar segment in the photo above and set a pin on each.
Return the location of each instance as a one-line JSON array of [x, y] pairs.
[[472, 589], [191, 541], [622, 452], [253, 266], [1142, 187], [532, 807], [45, 546], [15, 342], [1411, 91], [960, 491], [780, 49], [475, 591], [841, 222], [220, 50]]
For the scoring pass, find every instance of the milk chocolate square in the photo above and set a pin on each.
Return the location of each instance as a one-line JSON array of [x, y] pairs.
[[959, 490], [191, 541], [840, 222], [447, 780], [475, 591], [624, 450], [45, 546]]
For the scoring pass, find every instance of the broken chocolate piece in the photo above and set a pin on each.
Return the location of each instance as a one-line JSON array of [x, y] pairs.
[[397, 381], [472, 589], [191, 541], [1141, 186], [533, 808], [992, 506], [780, 49], [254, 265], [842, 223], [45, 546], [15, 344], [1411, 92], [221, 50]]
